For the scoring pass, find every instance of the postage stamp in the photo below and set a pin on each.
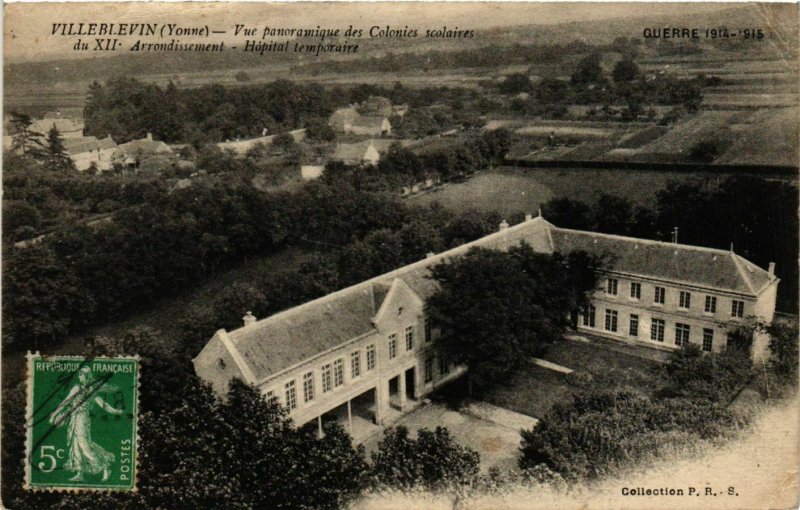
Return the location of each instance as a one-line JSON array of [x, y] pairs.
[[81, 423]]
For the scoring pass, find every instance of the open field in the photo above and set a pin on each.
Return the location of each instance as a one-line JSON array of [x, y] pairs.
[[511, 190], [769, 137], [534, 389]]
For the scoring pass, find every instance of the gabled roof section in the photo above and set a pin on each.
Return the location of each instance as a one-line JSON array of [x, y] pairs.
[[398, 287], [295, 335]]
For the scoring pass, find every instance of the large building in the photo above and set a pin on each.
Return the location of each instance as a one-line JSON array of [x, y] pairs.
[[366, 352]]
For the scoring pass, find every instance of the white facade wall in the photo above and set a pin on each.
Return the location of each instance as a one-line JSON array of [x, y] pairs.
[[695, 316]]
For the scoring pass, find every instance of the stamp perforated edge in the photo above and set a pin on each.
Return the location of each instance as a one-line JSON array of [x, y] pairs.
[[29, 430]]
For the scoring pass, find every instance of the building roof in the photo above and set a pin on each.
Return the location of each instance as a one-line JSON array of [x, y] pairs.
[[369, 121], [87, 143], [283, 340], [62, 125], [144, 146], [352, 153], [694, 265]]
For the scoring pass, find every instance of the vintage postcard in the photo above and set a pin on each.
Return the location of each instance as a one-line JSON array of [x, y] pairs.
[[389, 255]]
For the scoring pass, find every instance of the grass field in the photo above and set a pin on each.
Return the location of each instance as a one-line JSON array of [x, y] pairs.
[[533, 390], [511, 190], [768, 138]]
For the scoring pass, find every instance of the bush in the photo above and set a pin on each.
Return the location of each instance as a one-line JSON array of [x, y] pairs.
[[433, 460], [580, 378], [706, 151], [605, 432], [695, 374]]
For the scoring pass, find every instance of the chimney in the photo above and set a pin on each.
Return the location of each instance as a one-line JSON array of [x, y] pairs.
[[503, 225], [249, 318], [528, 217], [149, 137], [675, 235], [772, 270]]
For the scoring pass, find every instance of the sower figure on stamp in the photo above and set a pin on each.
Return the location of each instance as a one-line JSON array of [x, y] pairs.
[[85, 456]]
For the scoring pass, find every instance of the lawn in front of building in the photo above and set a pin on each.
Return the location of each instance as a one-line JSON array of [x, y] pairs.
[[533, 390]]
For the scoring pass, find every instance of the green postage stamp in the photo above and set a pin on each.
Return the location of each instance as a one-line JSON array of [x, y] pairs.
[[81, 423]]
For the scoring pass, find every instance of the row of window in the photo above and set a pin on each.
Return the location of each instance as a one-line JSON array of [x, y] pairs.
[[333, 373], [332, 378], [684, 298], [657, 326], [409, 339]]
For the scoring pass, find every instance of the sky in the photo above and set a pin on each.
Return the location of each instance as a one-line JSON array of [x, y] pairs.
[[27, 26]]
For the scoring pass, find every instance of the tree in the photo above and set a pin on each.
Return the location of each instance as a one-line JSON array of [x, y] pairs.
[[625, 70], [318, 129], [588, 70], [515, 84], [56, 157], [783, 348], [613, 214], [284, 141], [24, 139], [498, 309], [42, 298], [434, 460], [568, 213]]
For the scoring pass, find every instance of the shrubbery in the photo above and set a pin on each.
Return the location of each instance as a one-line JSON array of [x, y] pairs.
[[603, 433], [433, 460]]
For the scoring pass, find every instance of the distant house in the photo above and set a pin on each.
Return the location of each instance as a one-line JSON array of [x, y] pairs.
[[356, 153], [133, 152], [376, 106], [370, 125], [67, 128], [87, 150], [311, 172]]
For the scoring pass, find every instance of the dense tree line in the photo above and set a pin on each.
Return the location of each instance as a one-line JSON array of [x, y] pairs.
[[591, 84], [755, 215], [127, 109]]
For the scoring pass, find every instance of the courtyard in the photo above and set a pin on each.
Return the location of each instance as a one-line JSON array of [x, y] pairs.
[[490, 421]]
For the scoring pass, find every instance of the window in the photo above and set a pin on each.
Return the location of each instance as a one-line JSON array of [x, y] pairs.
[[657, 330], [588, 317], [428, 332], [355, 364], [681, 334], [291, 396], [370, 357], [444, 366], [659, 297], [737, 308], [429, 370], [409, 338], [684, 300], [611, 320], [327, 380], [338, 373], [711, 304], [392, 346], [271, 397], [308, 387], [636, 290], [611, 286], [633, 329], [708, 339]]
